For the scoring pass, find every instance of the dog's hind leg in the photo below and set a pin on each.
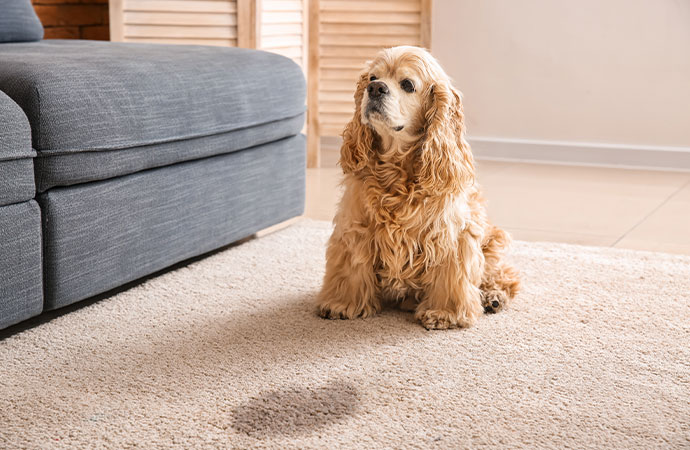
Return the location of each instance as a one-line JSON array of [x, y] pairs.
[[500, 282]]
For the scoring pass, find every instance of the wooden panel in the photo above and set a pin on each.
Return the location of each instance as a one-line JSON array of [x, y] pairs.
[[199, 22], [291, 52], [363, 53], [375, 5], [176, 18], [248, 19], [186, 41], [284, 28], [352, 32], [358, 28], [337, 107], [269, 17], [339, 74], [115, 10], [372, 17], [368, 41], [284, 41], [179, 32], [196, 6], [342, 63], [281, 29], [314, 131], [283, 5]]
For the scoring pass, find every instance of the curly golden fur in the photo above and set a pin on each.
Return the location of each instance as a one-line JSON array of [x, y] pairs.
[[411, 226]]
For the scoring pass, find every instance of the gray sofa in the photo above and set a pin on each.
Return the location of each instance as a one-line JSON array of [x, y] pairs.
[[118, 160]]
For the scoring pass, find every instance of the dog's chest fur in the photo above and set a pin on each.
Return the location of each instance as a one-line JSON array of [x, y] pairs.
[[407, 227]]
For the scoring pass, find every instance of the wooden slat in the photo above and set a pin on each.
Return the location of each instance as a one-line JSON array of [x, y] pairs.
[[335, 118], [305, 42], [344, 63], [189, 6], [338, 96], [271, 17], [188, 41], [369, 30], [290, 52], [328, 129], [339, 74], [337, 85], [282, 5], [176, 18], [337, 107], [370, 17], [425, 24], [349, 52], [248, 19], [368, 41], [367, 6], [159, 31], [281, 29], [116, 20], [284, 41], [313, 121]]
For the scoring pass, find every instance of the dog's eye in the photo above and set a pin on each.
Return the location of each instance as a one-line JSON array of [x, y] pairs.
[[372, 78], [407, 85]]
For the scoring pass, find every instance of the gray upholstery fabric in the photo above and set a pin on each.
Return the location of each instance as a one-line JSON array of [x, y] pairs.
[[91, 95], [18, 22], [102, 234], [74, 168], [15, 132], [16, 181], [16, 164], [21, 291]]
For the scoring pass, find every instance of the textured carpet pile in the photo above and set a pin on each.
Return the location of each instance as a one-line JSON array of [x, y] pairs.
[[227, 352]]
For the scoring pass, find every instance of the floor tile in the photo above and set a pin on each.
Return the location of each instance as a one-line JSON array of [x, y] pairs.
[[667, 229], [585, 200]]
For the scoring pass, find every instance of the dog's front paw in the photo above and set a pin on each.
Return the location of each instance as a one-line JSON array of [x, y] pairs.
[[435, 319], [494, 301], [338, 311]]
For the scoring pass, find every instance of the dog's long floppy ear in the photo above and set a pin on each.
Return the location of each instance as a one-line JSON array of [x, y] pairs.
[[358, 138], [445, 162]]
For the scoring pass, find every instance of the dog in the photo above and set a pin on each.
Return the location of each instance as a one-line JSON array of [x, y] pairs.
[[411, 226]]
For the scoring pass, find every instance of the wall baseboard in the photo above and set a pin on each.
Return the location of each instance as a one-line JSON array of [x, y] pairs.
[[572, 153], [580, 153]]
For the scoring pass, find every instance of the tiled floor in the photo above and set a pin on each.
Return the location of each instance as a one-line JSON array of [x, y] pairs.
[[636, 209]]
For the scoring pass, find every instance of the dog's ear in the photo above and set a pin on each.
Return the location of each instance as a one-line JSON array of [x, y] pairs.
[[445, 163], [358, 138]]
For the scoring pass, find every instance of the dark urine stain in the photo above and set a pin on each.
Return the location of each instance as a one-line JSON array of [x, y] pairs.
[[296, 410]]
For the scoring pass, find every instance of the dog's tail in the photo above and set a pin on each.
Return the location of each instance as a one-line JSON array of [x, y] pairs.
[[498, 274]]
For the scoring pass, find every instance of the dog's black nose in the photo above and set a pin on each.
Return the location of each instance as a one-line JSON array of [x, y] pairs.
[[376, 89]]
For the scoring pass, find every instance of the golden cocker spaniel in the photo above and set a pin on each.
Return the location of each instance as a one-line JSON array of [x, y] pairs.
[[411, 226]]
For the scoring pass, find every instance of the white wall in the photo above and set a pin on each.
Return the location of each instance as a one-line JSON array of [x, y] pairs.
[[579, 71]]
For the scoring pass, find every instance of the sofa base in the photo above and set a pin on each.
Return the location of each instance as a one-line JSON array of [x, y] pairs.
[[21, 291], [103, 234]]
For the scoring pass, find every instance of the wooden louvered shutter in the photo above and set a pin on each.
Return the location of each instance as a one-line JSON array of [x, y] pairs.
[[350, 32], [277, 26], [284, 29], [201, 22]]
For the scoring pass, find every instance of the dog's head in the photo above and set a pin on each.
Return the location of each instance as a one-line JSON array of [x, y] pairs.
[[404, 97]]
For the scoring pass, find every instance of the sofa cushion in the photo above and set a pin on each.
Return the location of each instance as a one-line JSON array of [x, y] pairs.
[[18, 22], [93, 96], [101, 235], [16, 163], [82, 167], [21, 278]]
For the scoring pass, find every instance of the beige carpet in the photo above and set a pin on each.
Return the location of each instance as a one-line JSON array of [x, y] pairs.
[[227, 352]]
